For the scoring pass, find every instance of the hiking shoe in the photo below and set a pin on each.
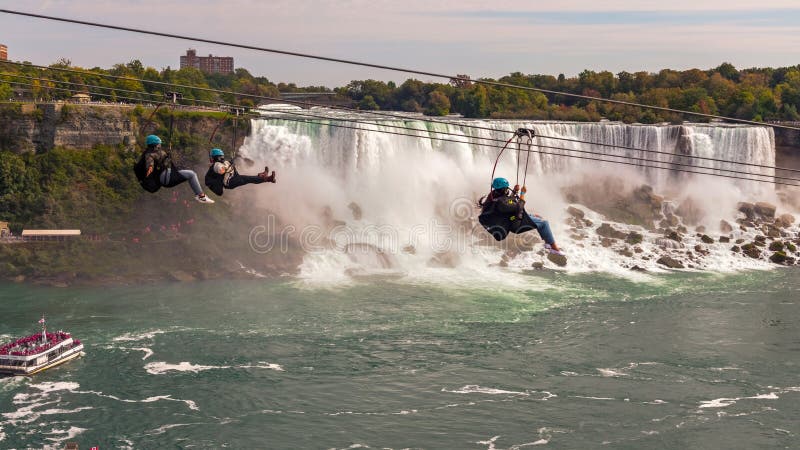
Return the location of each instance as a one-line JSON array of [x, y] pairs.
[[203, 199], [268, 178]]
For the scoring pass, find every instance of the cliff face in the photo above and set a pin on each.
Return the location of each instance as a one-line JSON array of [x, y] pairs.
[[40, 128]]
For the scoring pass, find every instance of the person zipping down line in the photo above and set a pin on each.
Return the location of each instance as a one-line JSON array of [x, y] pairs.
[[223, 174], [156, 169]]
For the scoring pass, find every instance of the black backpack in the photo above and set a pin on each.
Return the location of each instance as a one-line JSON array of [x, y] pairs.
[[151, 183]]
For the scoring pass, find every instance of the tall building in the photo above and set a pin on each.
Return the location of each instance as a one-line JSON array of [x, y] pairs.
[[208, 64], [3, 53]]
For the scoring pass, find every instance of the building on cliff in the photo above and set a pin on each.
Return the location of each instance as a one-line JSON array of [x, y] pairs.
[[3, 53], [208, 64]]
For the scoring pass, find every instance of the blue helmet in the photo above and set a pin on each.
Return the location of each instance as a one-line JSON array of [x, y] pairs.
[[499, 183], [216, 152], [152, 140]]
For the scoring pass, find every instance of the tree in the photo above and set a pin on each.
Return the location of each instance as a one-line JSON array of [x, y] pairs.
[[438, 104], [368, 103]]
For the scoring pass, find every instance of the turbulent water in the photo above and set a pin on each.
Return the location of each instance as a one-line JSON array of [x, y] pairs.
[[414, 196], [562, 361], [403, 330]]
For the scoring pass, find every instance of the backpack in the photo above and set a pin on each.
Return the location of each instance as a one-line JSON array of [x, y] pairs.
[[149, 183]]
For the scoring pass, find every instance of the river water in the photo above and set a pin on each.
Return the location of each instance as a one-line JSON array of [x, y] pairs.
[[682, 360]]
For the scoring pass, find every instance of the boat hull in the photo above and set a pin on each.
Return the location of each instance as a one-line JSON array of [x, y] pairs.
[[64, 357]]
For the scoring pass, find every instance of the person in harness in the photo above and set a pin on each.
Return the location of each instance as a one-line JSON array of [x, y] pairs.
[[156, 169], [503, 212], [223, 174]]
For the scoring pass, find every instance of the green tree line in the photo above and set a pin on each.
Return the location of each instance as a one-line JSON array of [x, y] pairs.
[[760, 94]]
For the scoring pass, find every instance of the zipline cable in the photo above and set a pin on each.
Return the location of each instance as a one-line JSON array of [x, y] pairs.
[[386, 67], [314, 116], [310, 118], [405, 117]]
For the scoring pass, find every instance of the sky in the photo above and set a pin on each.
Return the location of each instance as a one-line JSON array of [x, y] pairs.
[[477, 38]]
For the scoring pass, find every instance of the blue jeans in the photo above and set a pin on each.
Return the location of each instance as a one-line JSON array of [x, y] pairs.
[[188, 174], [543, 227]]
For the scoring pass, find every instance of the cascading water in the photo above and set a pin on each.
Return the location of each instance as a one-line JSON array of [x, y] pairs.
[[409, 202]]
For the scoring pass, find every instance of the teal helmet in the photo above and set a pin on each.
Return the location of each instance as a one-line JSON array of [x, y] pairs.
[[152, 140], [216, 152], [499, 183]]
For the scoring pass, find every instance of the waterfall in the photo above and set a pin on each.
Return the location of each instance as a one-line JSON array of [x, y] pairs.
[[412, 197]]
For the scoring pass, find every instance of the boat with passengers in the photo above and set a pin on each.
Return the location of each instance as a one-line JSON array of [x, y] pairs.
[[38, 352]]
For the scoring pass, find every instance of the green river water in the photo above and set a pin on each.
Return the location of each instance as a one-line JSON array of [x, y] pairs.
[[576, 361]]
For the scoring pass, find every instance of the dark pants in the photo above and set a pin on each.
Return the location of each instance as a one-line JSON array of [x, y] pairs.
[[240, 180]]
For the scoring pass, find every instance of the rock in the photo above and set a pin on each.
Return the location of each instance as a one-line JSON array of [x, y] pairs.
[[707, 239], [682, 229], [785, 220], [740, 241], [748, 209], [606, 230], [410, 249], [699, 249], [724, 239], [588, 222], [670, 220], [789, 261], [559, 260], [638, 250], [625, 252], [503, 263], [576, 213], [538, 265], [577, 237], [725, 227], [790, 247], [772, 232], [668, 243], [634, 238], [673, 235], [670, 262], [751, 250], [356, 210], [700, 229], [776, 246], [638, 269], [179, 275], [778, 257], [761, 241], [606, 242], [765, 210], [736, 249], [744, 224]]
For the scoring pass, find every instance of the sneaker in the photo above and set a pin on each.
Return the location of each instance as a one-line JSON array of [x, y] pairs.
[[553, 251], [203, 199]]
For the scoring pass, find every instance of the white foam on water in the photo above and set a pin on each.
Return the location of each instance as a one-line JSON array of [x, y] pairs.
[[160, 367], [724, 402], [475, 389], [264, 365], [163, 429], [11, 383], [133, 337], [592, 398], [71, 433], [655, 402], [489, 442], [612, 373], [147, 352]]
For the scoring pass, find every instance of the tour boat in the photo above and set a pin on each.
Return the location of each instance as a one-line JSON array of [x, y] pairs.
[[38, 352]]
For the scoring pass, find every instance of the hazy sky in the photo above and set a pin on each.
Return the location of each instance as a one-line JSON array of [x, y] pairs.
[[479, 38]]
